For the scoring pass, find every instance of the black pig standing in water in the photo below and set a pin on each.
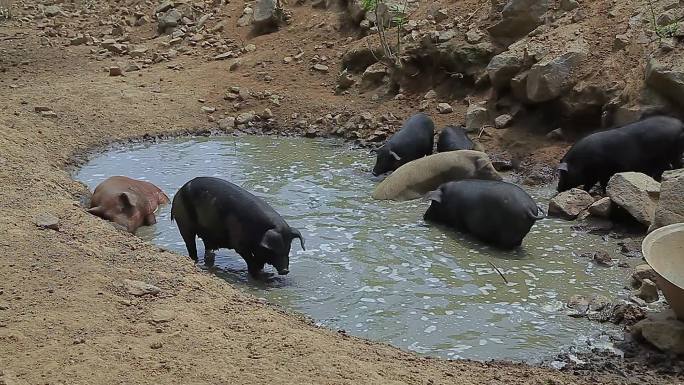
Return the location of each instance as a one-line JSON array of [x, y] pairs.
[[498, 213], [650, 146], [224, 215], [413, 141], [453, 139]]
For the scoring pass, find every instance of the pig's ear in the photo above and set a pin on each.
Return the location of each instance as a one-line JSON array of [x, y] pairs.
[[395, 155], [272, 240], [128, 199], [98, 211], [434, 196], [563, 167], [296, 234]]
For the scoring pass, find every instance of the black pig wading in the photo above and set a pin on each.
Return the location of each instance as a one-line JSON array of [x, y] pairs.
[[227, 216], [650, 146]]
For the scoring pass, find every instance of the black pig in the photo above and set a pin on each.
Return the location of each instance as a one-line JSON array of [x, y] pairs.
[[650, 146], [454, 138], [495, 212], [413, 141], [224, 215]]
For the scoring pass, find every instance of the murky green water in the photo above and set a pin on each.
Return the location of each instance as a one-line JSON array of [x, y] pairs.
[[374, 268]]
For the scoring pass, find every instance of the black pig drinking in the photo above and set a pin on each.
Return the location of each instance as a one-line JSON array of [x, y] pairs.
[[413, 141]]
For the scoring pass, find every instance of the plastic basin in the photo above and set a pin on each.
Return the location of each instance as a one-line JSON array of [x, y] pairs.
[[663, 250]]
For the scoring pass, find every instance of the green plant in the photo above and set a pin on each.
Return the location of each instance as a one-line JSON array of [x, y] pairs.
[[664, 31], [391, 52]]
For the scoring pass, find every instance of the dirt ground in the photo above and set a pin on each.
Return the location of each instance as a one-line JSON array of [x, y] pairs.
[[65, 314]]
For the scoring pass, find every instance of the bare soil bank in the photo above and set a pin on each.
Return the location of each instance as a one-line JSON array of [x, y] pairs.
[[66, 316]]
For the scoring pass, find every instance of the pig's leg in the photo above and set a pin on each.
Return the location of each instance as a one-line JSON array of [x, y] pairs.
[[189, 238], [209, 257]]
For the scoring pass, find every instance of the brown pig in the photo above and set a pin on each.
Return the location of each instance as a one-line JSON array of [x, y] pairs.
[[128, 202]]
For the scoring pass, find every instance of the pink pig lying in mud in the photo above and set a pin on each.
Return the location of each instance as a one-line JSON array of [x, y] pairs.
[[128, 202]]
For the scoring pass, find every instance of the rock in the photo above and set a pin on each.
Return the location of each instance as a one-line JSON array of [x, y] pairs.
[[444, 36], [373, 76], [602, 258], [579, 303], [667, 80], [519, 87], [473, 36], [156, 345], [48, 114], [52, 11], [320, 67], [644, 271], [621, 41], [444, 108], [432, 94], [556, 134], [225, 55], [208, 110], [503, 67], [163, 7], [635, 192], [670, 207], [548, 79], [569, 204], [41, 108], [78, 40], [245, 118], [584, 99], [519, 17], [672, 174], [477, 116], [503, 121], [357, 59], [670, 17], [648, 291], [112, 46], [47, 221], [115, 71], [138, 52], [345, 80], [266, 114], [132, 67], [139, 288], [568, 5], [667, 335], [170, 19], [227, 124], [250, 48], [234, 65], [601, 208], [440, 15], [266, 17], [598, 302]]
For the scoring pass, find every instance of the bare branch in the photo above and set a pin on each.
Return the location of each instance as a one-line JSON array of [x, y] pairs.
[[499, 271]]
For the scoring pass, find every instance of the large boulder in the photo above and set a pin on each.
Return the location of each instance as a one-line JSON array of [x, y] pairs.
[[549, 78], [569, 204], [584, 100], [518, 18], [418, 177], [667, 80], [635, 192], [670, 208]]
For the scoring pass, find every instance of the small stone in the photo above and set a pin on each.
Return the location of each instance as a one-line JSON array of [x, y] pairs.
[[266, 114], [556, 134], [227, 124], [250, 48], [477, 117], [234, 65], [503, 121], [568, 5], [621, 41], [132, 67], [320, 67], [48, 114], [444, 108], [208, 110], [115, 71], [644, 271], [648, 291], [47, 221], [602, 258], [223, 56], [440, 15], [52, 11], [569, 204], [432, 94], [156, 345], [601, 208], [42, 108], [78, 40], [139, 288], [287, 59], [245, 118]]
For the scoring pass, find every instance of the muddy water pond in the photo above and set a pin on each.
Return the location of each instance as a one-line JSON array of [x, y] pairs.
[[374, 268]]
